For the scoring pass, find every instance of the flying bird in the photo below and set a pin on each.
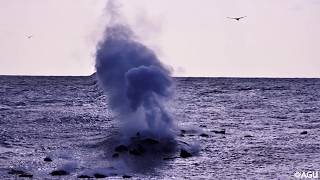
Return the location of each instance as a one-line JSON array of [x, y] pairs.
[[30, 36], [237, 18]]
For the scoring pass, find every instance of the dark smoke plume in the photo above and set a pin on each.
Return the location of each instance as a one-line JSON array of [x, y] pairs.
[[136, 82]]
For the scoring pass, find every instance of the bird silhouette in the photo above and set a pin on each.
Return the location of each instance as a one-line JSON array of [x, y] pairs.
[[237, 18], [30, 36]]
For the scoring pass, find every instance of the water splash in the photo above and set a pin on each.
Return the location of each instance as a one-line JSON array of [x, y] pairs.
[[136, 82]]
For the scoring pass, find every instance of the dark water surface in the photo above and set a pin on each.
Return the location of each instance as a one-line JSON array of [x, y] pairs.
[[67, 119]]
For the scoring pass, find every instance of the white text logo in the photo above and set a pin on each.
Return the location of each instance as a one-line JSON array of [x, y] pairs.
[[307, 174]]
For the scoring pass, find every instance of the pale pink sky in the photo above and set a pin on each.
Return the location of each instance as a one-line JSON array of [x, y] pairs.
[[279, 38]]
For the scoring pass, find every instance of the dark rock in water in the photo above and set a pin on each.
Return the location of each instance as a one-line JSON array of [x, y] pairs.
[[136, 152], [304, 132], [47, 159], [136, 149], [84, 176], [247, 136], [220, 132], [126, 176], [97, 175], [136, 137], [121, 148], [150, 141], [20, 173], [185, 154], [115, 155], [204, 135], [59, 173], [26, 175], [17, 172], [169, 158]]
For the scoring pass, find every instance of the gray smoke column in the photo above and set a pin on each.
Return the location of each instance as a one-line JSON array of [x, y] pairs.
[[136, 82]]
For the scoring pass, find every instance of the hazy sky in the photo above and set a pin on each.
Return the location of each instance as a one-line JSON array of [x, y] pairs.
[[279, 38]]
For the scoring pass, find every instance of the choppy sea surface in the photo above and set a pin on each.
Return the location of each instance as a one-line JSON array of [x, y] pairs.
[[246, 128]]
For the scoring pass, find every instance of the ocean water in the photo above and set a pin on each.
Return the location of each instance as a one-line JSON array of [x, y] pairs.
[[241, 128]]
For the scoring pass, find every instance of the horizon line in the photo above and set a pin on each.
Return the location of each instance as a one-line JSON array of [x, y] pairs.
[[244, 77]]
